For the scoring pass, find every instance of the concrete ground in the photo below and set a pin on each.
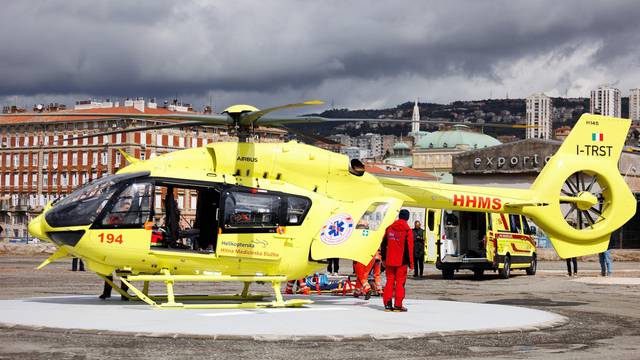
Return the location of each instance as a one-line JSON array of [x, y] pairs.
[[603, 320]]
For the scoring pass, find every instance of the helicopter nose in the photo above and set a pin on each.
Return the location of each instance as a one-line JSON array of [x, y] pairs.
[[35, 228]]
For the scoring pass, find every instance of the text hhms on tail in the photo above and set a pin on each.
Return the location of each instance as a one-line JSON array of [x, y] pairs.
[[585, 195]]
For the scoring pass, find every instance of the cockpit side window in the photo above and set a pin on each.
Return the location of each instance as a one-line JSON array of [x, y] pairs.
[[83, 206], [132, 207], [297, 208]]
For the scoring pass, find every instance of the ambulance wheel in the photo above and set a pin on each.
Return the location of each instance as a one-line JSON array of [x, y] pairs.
[[478, 273], [506, 270], [447, 273], [531, 270]]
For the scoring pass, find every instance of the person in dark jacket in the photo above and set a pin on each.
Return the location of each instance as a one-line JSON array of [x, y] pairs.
[[418, 250], [397, 254]]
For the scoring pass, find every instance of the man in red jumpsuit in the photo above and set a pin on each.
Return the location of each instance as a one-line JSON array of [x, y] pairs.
[[397, 254]]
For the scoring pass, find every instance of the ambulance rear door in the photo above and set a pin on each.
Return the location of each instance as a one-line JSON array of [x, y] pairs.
[[432, 236]]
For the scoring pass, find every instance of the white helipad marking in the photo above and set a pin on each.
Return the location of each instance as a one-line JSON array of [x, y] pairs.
[[325, 318], [271, 311]]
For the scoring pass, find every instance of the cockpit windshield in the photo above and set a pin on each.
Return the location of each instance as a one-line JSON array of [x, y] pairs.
[[83, 206]]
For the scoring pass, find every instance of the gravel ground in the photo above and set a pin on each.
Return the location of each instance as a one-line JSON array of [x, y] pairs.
[[603, 320]]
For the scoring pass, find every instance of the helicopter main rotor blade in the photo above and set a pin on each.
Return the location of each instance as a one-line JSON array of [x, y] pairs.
[[205, 119], [138, 129], [284, 120], [313, 137], [250, 119]]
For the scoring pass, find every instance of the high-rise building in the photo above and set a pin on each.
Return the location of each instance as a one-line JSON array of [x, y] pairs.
[[634, 105], [539, 116], [606, 101]]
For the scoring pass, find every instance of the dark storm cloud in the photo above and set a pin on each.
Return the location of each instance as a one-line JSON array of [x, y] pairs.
[[280, 48]]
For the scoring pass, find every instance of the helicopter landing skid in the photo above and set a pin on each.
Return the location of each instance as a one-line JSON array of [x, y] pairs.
[[242, 301]]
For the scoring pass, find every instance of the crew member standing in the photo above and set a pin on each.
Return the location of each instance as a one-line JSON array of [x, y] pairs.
[[418, 250], [397, 254]]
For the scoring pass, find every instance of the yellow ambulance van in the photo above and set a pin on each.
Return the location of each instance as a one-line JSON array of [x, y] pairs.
[[478, 242]]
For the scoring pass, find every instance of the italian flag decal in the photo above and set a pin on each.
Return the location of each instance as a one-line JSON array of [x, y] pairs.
[[597, 137]]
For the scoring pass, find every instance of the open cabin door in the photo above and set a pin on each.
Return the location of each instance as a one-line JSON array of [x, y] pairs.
[[355, 230]]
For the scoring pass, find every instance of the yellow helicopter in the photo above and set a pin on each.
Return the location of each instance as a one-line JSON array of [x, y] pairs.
[[270, 212]]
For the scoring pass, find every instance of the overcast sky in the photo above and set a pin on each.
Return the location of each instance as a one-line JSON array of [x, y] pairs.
[[355, 54]]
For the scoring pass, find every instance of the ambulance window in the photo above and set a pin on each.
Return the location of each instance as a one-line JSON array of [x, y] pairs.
[[372, 218], [132, 207], [431, 215], [297, 208], [514, 221], [525, 226], [251, 210]]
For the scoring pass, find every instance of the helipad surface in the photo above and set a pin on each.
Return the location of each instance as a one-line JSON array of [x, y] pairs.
[[330, 317]]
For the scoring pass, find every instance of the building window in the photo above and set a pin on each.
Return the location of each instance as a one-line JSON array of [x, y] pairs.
[[45, 179], [181, 141], [25, 179], [7, 179], [65, 159], [105, 139], [143, 138], [34, 179], [34, 159], [45, 160], [64, 181], [158, 139], [26, 141], [118, 158], [85, 141], [16, 160], [75, 139], [104, 158], [55, 160], [85, 158], [74, 159], [54, 180], [193, 202], [94, 158], [180, 202], [118, 138]]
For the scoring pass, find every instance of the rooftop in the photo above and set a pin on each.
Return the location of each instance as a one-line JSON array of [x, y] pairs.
[[389, 170]]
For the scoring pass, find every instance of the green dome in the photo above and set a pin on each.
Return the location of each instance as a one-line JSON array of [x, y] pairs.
[[400, 146], [457, 137]]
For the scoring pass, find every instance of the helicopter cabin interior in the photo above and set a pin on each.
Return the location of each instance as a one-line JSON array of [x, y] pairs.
[[215, 210]]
